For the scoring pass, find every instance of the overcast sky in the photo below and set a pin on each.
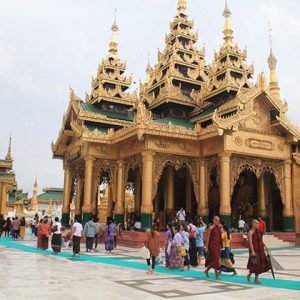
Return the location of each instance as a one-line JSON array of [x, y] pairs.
[[46, 46]]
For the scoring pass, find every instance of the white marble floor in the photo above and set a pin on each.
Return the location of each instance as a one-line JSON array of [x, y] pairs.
[[26, 275]]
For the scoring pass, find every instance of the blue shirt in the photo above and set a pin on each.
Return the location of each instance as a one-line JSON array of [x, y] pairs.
[[199, 238]]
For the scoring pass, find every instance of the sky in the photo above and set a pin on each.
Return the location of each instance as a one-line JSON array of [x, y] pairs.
[[47, 46]]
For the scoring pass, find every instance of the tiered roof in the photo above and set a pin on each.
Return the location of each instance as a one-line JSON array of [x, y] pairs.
[[228, 72], [180, 72]]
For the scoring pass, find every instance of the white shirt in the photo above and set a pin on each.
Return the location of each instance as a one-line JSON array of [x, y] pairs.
[[77, 229], [58, 224], [137, 225], [181, 215], [241, 223]]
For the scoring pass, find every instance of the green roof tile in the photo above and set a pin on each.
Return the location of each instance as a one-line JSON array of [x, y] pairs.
[[92, 128], [180, 122], [113, 115], [51, 196], [205, 112]]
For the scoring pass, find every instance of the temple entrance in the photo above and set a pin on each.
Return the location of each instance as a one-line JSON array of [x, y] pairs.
[[103, 203], [175, 190], [213, 195], [274, 204], [244, 199]]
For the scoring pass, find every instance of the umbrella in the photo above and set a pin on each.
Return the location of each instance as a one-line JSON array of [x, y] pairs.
[[269, 259]]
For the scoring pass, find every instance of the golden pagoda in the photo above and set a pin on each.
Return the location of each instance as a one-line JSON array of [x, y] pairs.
[[203, 136], [34, 203]]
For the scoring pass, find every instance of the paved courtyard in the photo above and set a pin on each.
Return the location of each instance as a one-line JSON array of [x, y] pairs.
[[28, 273]]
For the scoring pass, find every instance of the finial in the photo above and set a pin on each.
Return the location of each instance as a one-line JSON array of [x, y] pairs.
[[72, 94], [228, 31], [9, 155], [35, 181], [182, 7], [113, 45], [272, 61]]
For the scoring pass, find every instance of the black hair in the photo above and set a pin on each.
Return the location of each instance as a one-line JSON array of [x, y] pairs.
[[56, 219]]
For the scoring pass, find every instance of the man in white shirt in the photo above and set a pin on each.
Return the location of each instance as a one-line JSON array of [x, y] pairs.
[[181, 216], [77, 233], [241, 224]]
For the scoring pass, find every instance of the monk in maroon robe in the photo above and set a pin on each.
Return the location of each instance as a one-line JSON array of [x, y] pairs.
[[213, 247], [258, 262]]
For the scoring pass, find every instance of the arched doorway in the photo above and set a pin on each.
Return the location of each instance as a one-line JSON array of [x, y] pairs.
[[213, 194], [274, 205], [244, 200], [175, 190]]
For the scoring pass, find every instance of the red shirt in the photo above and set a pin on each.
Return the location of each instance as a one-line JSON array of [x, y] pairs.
[[262, 226]]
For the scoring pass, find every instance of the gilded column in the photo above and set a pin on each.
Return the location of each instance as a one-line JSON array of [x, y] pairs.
[[137, 191], [188, 194], [170, 191], [109, 200], [225, 207], [288, 212], [147, 180], [3, 200], [120, 193], [202, 205], [88, 189], [262, 211], [78, 211], [66, 200]]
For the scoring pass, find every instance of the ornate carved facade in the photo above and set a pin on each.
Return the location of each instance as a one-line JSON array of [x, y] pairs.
[[196, 134]]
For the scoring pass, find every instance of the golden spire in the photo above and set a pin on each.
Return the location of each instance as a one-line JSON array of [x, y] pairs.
[[9, 155], [148, 70], [182, 7], [228, 31], [272, 61], [114, 42]]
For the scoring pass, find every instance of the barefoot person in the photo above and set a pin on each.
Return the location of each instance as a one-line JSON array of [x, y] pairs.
[[213, 247], [258, 262], [153, 246], [226, 260]]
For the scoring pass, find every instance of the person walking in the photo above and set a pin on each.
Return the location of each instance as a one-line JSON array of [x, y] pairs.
[[7, 227], [77, 233], [175, 253], [39, 234], [97, 232], [201, 227], [226, 263], [258, 262], [2, 222], [213, 247], [168, 242], [16, 228], [45, 234], [56, 236], [152, 244], [186, 246], [89, 233], [181, 215], [22, 228], [262, 226], [192, 249], [109, 236], [241, 224]]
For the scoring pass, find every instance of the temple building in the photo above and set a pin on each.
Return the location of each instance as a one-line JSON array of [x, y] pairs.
[[47, 203], [13, 201], [201, 135]]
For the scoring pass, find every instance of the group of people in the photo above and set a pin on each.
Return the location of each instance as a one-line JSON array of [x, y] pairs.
[[93, 232], [186, 246], [13, 227], [218, 253]]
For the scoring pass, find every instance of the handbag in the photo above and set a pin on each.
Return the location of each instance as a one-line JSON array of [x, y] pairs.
[[145, 253], [183, 251], [254, 259], [54, 229]]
